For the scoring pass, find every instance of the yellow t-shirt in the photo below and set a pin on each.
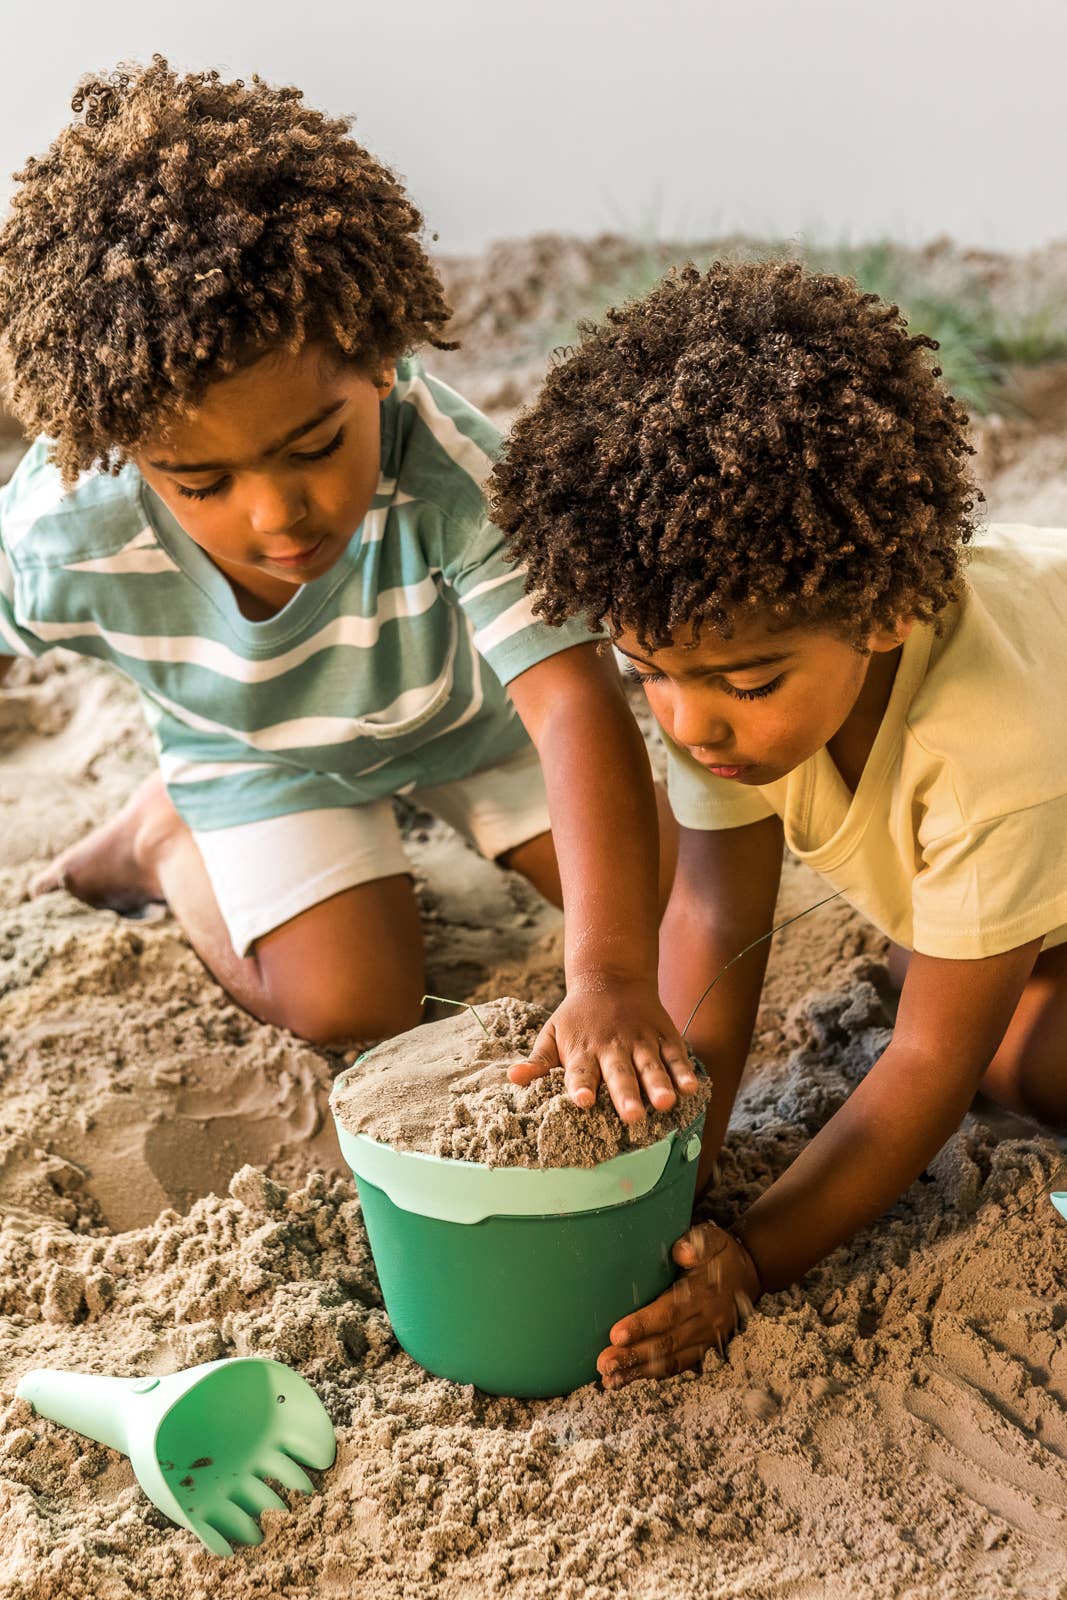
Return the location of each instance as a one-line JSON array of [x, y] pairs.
[[955, 841]]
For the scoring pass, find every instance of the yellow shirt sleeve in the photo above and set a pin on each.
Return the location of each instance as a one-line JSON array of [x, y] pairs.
[[700, 800], [994, 885]]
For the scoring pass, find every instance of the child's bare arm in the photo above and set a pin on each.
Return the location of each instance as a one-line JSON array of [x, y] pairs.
[[612, 1024], [6, 663], [723, 898], [952, 1017]]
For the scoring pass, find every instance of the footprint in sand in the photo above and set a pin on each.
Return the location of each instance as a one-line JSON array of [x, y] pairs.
[[995, 1413]]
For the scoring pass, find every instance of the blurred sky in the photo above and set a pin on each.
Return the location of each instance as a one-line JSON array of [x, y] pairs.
[[836, 119]]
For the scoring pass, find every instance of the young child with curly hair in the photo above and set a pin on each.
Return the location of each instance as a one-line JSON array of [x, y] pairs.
[[755, 481], [249, 497]]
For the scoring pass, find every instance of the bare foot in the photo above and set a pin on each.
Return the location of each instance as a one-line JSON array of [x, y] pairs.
[[113, 865]]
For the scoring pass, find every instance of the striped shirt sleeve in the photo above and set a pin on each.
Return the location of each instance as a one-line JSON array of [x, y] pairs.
[[15, 640], [492, 592], [457, 449]]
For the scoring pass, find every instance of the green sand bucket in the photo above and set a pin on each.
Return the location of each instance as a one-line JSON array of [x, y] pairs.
[[510, 1278]]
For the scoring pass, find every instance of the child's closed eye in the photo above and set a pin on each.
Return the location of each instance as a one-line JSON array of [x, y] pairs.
[[641, 677], [327, 450], [757, 693], [202, 494], [297, 455], [735, 693]]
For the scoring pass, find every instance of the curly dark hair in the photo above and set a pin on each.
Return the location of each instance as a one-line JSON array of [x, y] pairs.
[[758, 438], [178, 227]]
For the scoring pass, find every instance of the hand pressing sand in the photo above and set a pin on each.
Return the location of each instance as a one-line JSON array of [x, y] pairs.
[[444, 1089]]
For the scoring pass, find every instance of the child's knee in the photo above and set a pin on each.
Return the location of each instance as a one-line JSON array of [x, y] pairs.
[[1046, 1103], [346, 1018], [1034, 1086]]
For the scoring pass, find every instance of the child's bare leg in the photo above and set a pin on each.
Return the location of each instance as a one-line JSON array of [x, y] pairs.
[[1028, 1074], [1029, 1071], [347, 968]]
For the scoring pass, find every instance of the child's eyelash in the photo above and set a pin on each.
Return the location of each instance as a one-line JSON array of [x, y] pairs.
[[201, 494], [309, 455], [755, 694], [641, 677], [327, 450], [736, 694]]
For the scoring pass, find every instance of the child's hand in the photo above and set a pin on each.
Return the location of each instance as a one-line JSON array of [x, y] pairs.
[[618, 1031], [716, 1291]]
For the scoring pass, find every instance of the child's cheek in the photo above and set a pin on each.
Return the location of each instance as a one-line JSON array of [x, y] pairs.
[[777, 734]]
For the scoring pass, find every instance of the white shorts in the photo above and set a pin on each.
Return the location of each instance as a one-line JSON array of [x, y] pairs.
[[263, 873]]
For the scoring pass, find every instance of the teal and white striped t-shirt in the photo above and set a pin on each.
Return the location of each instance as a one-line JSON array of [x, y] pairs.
[[384, 675]]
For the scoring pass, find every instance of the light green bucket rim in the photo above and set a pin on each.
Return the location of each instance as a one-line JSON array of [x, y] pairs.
[[468, 1192]]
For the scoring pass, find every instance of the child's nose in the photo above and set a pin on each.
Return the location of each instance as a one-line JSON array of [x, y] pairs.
[[694, 725], [275, 508]]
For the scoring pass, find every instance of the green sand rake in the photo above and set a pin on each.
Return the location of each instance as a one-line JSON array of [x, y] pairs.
[[202, 1442]]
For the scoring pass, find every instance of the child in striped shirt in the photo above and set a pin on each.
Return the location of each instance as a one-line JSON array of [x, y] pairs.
[[249, 498]]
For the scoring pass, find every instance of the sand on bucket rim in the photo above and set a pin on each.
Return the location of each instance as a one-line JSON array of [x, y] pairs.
[[443, 1089]]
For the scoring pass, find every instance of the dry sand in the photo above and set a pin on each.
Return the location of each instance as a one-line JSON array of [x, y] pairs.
[[171, 1191], [444, 1089]]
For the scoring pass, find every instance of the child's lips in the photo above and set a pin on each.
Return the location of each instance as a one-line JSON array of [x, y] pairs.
[[299, 558], [723, 769]]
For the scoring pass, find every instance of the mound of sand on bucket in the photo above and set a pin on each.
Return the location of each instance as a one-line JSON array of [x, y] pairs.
[[444, 1089]]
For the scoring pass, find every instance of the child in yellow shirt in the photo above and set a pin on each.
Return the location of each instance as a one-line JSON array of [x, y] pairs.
[[755, 482]]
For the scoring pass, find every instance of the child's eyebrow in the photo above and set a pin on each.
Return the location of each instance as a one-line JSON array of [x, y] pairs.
[[279, 444], [719, 668]]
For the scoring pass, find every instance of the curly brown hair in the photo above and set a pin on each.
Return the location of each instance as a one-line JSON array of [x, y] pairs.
[[178, 227], [758, 438]]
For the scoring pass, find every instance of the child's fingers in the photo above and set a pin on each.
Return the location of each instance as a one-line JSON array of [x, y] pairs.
[[667, 1310], [654, 1078], [581, 1078], [616, 1068], [679, 1064], [691, 1355], [657, 1355], [544, 1057], [700, 1245]]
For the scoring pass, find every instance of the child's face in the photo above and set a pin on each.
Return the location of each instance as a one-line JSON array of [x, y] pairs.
[[752, 707], [277, 467]]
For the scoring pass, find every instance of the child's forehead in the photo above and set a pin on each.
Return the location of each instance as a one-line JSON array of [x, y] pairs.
[[267, 379], [251, 410]]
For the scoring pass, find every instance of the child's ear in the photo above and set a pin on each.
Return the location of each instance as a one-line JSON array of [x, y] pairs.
[[385, 382], [883, 639]]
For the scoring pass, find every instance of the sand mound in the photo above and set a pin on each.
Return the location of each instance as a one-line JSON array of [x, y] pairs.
[[899, 1426], [444, 1089]]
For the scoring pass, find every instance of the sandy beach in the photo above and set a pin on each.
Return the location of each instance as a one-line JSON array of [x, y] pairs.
[[171, 1191]]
